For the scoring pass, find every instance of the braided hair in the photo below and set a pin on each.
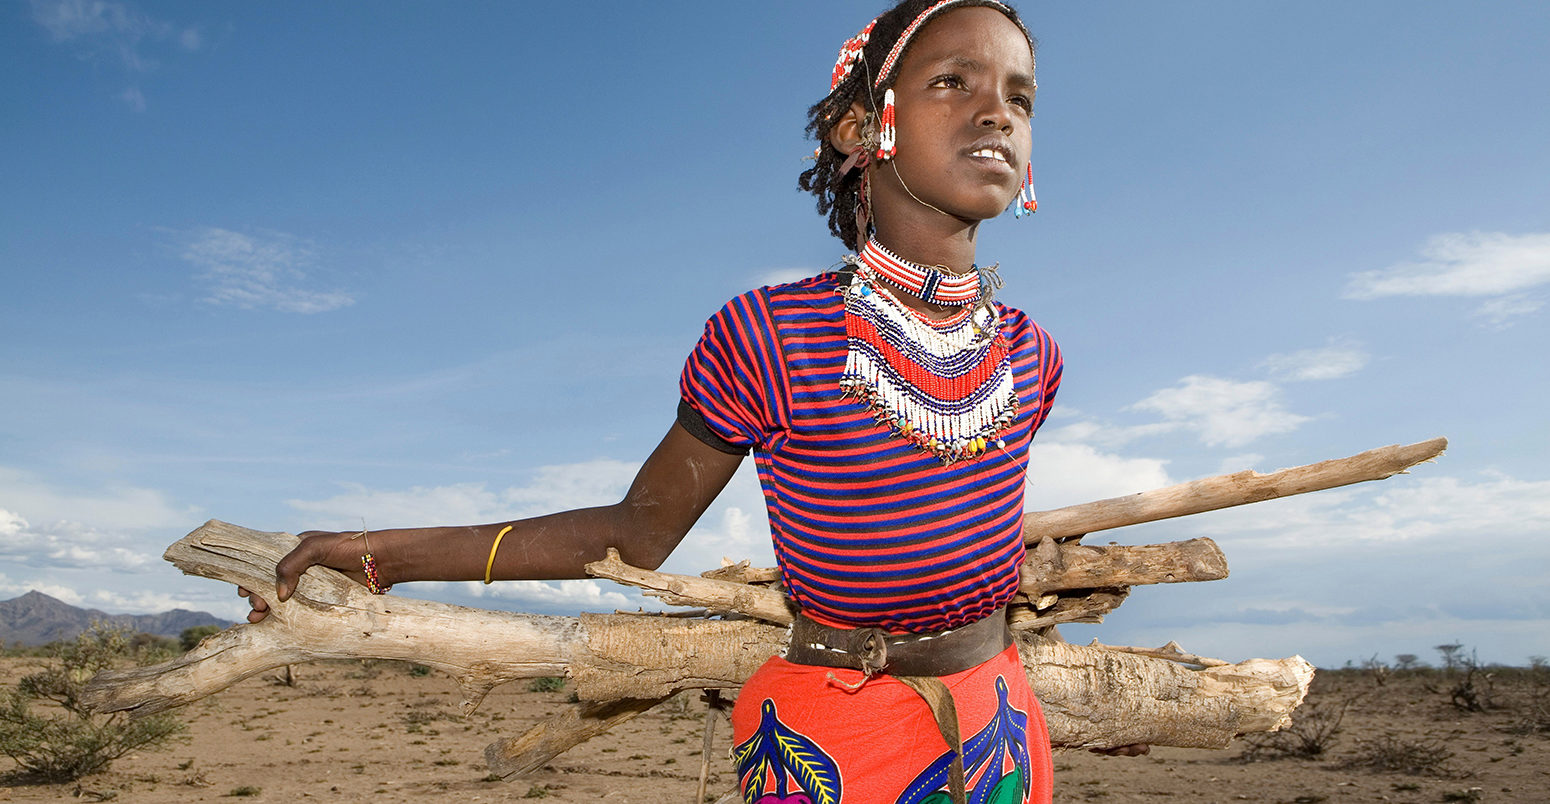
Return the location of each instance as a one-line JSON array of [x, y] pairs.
[[839, 192]]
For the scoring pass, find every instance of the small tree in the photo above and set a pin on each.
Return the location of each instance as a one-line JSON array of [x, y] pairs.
[[1452, 655], [46, 728], [1406, 661], [190, 637]]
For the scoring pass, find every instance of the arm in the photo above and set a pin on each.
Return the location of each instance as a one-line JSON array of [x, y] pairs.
[[673, 488]]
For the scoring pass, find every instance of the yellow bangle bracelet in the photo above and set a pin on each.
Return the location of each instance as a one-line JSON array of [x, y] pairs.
[[489, 565]]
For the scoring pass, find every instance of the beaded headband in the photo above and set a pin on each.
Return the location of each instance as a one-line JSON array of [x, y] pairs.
[[851, 51]]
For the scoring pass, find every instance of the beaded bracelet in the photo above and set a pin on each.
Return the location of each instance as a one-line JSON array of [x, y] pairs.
[[369, 564]]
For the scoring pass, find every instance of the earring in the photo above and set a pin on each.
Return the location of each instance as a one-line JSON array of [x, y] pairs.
[[889, 138], [1027, 202]]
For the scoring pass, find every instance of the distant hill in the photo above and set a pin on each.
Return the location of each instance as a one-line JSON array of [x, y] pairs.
[[36, 618]]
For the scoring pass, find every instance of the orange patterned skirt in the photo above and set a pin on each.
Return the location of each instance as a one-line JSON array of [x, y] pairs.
[[819, 735]]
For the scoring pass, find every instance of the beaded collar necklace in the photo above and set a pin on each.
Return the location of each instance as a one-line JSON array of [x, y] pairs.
[[944, 386], [933, 284]]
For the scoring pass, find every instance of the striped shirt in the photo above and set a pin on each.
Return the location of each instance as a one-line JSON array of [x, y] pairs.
[[869, 531]]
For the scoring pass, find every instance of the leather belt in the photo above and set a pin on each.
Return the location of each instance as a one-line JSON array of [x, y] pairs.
[[872, 650]]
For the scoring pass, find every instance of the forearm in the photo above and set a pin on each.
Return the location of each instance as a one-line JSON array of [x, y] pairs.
[[557, 546]]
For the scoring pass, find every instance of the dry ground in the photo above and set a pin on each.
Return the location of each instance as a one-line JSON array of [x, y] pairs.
[[376, 732]]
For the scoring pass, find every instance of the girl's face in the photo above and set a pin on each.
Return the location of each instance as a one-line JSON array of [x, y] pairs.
[[963, 101]]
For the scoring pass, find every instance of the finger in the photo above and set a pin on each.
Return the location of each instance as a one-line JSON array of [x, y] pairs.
[[257, 616], [312, 550], [241, 592]]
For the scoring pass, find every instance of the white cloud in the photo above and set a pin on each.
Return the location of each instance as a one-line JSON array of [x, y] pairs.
[[1222, 412], [553, 488], [1331, 362], [122, 508], [67, 545], [1061, 474], [141, 601], [569, 595], [1466, 264], [258, 271], [1498, 313], [1406, 509], [114, 32]]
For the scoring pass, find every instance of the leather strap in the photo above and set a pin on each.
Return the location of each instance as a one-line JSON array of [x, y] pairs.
[[917, 661]]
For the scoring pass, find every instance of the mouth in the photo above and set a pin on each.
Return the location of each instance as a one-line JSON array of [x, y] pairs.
[[997, 154]]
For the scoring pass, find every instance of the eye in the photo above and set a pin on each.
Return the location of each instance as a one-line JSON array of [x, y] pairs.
[[948, 81], [1024, 102]]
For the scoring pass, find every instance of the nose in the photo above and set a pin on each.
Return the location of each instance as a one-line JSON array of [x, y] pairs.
[[997, 116]]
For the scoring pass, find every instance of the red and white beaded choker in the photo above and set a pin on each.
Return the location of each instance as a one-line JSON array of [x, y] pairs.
[[933, 284]]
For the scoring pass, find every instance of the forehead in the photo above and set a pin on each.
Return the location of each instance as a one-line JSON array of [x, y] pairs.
[[973, 37]]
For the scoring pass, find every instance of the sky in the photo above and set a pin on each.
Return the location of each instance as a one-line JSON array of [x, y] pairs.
[[303, 265]]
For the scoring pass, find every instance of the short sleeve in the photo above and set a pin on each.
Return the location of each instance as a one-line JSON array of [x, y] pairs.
[[734, 379], [1051, 366]]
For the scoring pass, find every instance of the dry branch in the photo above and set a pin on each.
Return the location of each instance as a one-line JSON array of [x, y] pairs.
[[532, 749], [689, 590], [1226, 491]]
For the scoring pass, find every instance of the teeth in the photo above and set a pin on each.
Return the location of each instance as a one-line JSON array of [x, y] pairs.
[[989, 153]]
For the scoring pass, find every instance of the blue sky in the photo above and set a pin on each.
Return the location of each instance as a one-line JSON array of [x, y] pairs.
[[293, 265]]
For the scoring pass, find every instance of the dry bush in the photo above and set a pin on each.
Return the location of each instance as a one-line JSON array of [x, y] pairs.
[[48, 731], [1393, 754], [1310, 734]]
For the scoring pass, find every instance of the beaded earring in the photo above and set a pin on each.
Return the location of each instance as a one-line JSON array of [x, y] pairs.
[[1027, 203], [888, 137]]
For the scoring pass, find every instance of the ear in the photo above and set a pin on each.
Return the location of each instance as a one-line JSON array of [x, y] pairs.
[[849, 132]]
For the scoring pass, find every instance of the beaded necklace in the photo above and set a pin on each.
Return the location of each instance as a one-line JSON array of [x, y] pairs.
[[945, 386]]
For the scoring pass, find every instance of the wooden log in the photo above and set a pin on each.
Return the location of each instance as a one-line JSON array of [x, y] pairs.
[[1083, 566], [1226, 491], [1049, 567], [1096, 698], [332, 617]]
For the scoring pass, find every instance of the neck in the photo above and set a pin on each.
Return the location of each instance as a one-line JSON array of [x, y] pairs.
[[919, 244], [932, 239]]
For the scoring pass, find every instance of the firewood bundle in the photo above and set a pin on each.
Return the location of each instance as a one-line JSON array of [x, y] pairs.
[[1094, 696]]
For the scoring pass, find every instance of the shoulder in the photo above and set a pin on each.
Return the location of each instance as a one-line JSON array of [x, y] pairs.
[[773, 304], [1022, 331]]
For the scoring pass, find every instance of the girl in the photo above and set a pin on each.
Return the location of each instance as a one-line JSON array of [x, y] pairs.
[[889, 407]]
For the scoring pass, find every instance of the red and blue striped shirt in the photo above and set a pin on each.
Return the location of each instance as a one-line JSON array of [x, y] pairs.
[[869, 530]]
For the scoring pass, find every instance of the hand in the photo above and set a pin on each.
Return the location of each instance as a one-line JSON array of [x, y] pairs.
[[324, 548]]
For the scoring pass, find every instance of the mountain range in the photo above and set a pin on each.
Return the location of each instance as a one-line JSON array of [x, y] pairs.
[[36, 619]]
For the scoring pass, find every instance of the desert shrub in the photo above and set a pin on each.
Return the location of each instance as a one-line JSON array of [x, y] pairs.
[[45, 727], [546, 684], [1476, 690], [1394, 754], [1376, 670], [190, 637], [152, 648], [1310, 734]]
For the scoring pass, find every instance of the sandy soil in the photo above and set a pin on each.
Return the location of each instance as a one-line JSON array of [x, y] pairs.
[[377, 732]]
